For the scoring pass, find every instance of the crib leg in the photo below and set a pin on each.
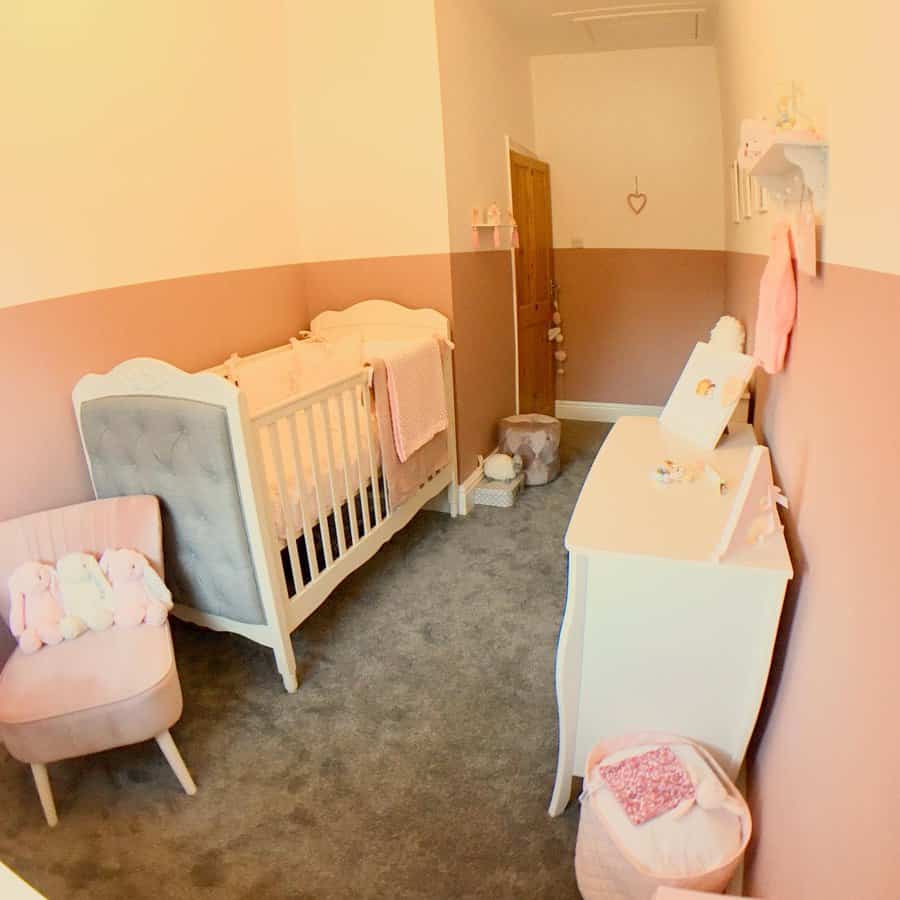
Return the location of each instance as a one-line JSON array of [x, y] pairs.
[[287, 664], [291, 682]]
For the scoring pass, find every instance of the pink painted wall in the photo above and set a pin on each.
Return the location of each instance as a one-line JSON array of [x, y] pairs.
[[631, 317], [46, 346], [415, 281], [194, 322], [824, 780], [485, 357]]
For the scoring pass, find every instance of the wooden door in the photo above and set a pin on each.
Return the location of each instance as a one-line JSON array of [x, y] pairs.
[[535, 285]]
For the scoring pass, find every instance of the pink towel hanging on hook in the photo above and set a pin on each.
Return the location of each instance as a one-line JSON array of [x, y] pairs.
[[777, 303]]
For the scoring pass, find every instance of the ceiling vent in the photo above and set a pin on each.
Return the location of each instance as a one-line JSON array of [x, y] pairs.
[[634, 25]]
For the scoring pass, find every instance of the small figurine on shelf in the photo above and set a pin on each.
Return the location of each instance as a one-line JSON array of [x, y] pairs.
[[493, 218], [476, 215], [790, 117], [785, 118]]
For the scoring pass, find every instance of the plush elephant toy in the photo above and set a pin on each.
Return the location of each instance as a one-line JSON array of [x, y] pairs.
[[36, 615], [86, 594], [139, 594]]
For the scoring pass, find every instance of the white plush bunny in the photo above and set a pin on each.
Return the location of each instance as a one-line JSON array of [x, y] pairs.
[[502, 466], [728, 334], [86, 593]]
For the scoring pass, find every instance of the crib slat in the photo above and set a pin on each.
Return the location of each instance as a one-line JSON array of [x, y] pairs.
[[363, 497], [335, 505], [351, 506], [309, 422], [308, 539], [287, 513], [376, 493]]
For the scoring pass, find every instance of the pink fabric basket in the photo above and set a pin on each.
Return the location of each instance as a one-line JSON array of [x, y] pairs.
[[605, 870]]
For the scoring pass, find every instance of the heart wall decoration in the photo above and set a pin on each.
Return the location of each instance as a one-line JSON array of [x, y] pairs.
[[636, 200]]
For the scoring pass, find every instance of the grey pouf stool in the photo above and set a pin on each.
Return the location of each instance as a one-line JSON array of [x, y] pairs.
[[536, 439]]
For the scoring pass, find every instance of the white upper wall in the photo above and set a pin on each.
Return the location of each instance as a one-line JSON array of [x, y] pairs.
[[366, 115], [847, 61], [486, 95], [141, 142], [602, 118]]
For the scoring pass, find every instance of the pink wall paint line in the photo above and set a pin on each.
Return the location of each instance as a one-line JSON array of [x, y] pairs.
[[823, 773], [631, 317]]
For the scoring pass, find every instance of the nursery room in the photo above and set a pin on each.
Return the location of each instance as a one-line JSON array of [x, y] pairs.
[[441, 453]]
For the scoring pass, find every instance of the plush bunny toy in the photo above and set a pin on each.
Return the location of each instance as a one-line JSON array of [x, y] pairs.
[[139, 594], [85, 592], [502, 466], [36, 615]]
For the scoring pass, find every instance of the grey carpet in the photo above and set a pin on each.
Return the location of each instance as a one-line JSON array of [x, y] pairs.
[[416, 760]]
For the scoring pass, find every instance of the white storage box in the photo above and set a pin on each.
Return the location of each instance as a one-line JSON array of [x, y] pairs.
[[698, 845], [498, 493]]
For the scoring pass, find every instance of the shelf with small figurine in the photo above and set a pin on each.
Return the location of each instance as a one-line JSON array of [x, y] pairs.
[[493, 220]]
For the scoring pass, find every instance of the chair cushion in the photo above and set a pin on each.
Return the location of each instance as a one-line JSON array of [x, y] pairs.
[[129, 674], [96, 669]]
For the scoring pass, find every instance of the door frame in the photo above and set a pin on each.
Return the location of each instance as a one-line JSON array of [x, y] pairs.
[[515, 147]]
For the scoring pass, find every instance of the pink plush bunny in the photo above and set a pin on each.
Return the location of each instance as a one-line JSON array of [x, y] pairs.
[[36, 614], [139, 594]]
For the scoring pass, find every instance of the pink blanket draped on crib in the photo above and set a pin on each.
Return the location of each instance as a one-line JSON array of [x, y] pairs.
[[403, 479], [415, 382]]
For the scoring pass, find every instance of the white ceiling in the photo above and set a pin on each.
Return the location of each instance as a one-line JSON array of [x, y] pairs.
[[585, 26]]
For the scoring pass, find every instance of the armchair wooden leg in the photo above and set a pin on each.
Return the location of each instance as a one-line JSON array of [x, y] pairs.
[[42, 782], [170, 751]]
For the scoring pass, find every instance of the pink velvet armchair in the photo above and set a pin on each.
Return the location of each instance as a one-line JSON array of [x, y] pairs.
[[105, 689]]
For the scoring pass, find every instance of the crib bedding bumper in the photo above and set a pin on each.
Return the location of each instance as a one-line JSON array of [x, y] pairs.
[[314, 491]]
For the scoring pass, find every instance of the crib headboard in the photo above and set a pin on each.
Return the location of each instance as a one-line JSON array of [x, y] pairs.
[[149, 428], [381, 320]]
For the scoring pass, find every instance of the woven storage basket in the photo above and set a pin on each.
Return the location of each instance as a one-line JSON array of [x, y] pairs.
[[606, 871]]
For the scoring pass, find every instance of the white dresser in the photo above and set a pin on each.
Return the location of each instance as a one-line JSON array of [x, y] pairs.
[[656, 636]]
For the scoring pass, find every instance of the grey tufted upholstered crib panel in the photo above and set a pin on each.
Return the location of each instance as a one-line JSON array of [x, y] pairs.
[[180, 450]]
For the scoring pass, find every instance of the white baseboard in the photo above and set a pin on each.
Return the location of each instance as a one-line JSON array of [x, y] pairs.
[[585, 411]]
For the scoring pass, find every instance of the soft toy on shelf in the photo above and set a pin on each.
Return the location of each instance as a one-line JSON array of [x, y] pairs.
[[86, 594], [36, 616], [139, 594]]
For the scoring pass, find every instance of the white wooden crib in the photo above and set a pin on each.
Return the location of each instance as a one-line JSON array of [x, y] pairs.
[[265, 513]]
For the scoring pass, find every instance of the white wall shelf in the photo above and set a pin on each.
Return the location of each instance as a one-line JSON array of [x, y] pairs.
[[790, 160]]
